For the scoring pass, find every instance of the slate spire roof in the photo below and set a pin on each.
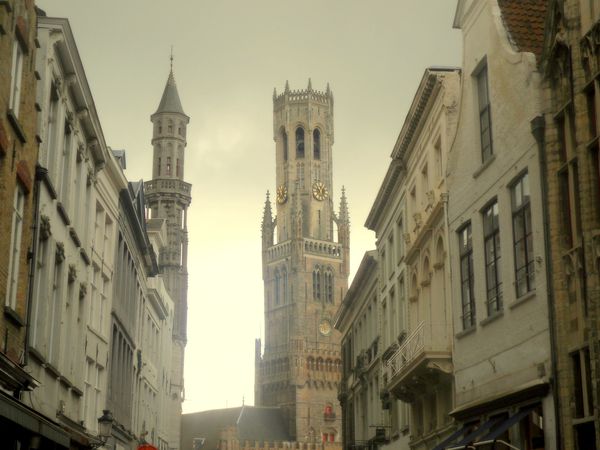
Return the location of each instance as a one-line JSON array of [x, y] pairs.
[[170, 103]]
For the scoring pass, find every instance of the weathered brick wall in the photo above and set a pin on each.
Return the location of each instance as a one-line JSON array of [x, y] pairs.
[[18, 154]]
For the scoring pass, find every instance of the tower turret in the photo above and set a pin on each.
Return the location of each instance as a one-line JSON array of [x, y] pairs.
[[169, 197]]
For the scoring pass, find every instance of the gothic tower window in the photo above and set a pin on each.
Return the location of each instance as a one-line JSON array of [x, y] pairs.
[[284, 141], [316, 144], [277, 287], [284, 277], [159, 164], [170, 127], [328, 283], [299, 142], [168, 165], [316, 283], [159, 127], [178, 168]]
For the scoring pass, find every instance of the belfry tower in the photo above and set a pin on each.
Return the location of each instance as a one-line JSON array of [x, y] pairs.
[[305, 254]]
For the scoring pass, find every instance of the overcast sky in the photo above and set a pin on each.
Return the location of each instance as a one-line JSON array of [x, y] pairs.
[[229, 55]]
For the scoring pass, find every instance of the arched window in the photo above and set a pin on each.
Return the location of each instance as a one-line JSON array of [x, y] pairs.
[[316, 144], [284, 143], [170, 127], [316, 284], [168, 165], [178, 168], [277, 287], [328, 283], [159, 127], [299, 142], [158, 168]]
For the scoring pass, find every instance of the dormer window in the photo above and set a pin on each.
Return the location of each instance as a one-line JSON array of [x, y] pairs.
[[299, 142]]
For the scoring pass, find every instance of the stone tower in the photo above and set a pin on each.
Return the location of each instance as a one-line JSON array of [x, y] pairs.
[[305, 253], [168, 197]]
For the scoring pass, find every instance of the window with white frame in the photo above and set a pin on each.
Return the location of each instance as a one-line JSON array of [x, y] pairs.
[[493, 278], [15, 78], [15, 246], [485, 119], [522, 236], [465, 246]]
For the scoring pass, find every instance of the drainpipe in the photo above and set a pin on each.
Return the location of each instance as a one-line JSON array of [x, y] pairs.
[[40, 173], [538, 128]]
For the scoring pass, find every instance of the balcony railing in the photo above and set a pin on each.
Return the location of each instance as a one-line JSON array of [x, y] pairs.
[[409, 350]]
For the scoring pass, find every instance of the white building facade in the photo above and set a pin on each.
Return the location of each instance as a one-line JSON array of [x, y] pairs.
[[497, 241]]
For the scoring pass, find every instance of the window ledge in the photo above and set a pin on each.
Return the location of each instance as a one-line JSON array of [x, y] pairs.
[[37, 355], [465, 332], [16, 125], [53, 370], [495, 315], [484, 166], [522, 299], [13, 316]]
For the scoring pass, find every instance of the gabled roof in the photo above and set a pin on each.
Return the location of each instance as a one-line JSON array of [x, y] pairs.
[[170, 103], [524, 20]]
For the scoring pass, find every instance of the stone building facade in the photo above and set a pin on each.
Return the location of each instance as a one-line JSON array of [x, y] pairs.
[[568, 137], [305, 271], [358, 321], [413, 246], [73, 270], [502, 348]]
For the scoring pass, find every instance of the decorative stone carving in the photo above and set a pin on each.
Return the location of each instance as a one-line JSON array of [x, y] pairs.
[[72, 273], [60, 252], [91, 176], [406, 237], [80, 152], [82, 290], [45, 228], [418, 220]]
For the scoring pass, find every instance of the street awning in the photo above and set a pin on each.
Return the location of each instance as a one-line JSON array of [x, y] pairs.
[[491, 437], [474, 435], [453, 437]]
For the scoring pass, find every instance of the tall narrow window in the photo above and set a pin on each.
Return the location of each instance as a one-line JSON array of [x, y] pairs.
[[15, 247], [177, 168], [52, 130], [316, 284], [168, 165], [66, 167], [522, 236], [316, 144], [277, 287], [485, 119], [328, 282], [491, 233], [15, 78], [466, 276], [299, 142], [284, 140], [158, 168]]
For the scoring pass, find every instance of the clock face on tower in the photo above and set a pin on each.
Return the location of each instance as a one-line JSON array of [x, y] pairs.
[[319, 191], [281, 194], [325, 327]]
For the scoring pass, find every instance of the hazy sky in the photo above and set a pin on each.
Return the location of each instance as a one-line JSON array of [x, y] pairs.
[[229, 55]]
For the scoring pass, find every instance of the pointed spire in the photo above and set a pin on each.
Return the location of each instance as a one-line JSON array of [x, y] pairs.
[[287, 86], [328, 90], [309, 84], [344, 215], [169, 101], [274, 93], [267, 214]]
